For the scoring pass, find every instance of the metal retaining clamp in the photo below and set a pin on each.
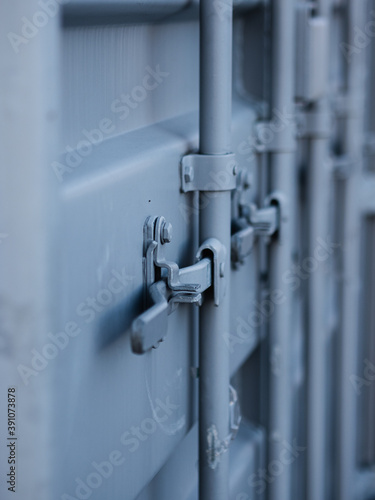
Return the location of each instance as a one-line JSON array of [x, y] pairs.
[[208, 172], [163, 292]]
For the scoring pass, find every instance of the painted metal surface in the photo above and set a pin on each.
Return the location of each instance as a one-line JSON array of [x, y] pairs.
[[116, 111]]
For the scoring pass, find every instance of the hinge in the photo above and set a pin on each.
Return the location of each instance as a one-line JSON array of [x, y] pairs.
[[208, 172], [163, 292], [312, 52]]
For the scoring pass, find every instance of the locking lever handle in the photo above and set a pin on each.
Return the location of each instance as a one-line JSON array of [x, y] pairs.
[[176, 286], [150, 328]]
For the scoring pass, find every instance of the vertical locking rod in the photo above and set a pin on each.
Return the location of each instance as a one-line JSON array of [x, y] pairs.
[[215, 222], [351, 237], [318, 185], [283, 179]]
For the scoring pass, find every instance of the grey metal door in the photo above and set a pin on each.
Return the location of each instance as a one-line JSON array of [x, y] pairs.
[[186, 240]]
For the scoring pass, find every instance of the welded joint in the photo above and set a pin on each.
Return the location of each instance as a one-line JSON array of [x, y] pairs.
[[208, 172], [217, 447]]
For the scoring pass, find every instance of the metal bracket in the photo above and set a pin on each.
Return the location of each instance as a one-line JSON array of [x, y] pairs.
[[208, 172], [312, 124], [217, 253], [164, 292], [275, 136], [311, 57]]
